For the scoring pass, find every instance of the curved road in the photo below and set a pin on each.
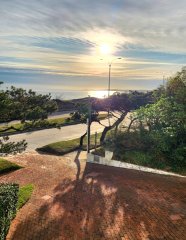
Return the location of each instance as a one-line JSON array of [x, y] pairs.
[[43, 137]]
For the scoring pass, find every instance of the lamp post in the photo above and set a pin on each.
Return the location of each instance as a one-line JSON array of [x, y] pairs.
[[88, 124], [109, 79], [110, 67], [163, 78]]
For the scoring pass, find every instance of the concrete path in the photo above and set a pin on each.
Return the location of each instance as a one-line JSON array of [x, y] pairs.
[[43, 137], [73, 200]]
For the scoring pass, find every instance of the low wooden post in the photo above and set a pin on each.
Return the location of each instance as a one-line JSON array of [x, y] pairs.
[[88, 135], [88, 126], [96, 140]]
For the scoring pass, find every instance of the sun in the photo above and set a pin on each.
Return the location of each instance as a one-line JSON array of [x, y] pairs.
[[99, 93], [105, 49]]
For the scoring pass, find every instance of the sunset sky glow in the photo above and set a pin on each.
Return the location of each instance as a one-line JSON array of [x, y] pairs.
[[58, 44]]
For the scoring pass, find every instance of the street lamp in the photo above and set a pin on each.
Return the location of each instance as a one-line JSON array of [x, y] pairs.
[[164, 77], [110, 66]]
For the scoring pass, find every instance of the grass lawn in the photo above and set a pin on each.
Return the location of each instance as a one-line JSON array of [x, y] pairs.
[[6, 166], [63, 147], [60, 121], [20, 126], [24, 194]]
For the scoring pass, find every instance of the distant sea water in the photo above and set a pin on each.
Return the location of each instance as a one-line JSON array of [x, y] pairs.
[[67, 95]]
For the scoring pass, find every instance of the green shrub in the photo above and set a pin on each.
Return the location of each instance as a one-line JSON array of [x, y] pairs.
[[154, 149], [8, 203], [146, 159], [100, 151], [129, 141], [137, 157]]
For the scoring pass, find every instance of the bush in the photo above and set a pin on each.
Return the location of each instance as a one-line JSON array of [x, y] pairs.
[[144, 159], [153, 149], [159, 137], [128, 141], [100, 151], [178, 159], [8, 203]]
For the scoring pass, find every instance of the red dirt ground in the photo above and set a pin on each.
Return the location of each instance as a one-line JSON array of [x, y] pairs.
[[79, 201]]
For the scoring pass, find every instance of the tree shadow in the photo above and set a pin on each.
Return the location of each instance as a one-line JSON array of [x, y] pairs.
[[77, 162], [104, 203]]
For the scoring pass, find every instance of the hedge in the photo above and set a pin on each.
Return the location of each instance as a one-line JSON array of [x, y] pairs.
[[8, 203]]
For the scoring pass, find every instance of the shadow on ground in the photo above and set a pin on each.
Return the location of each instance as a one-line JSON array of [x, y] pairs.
[[109, 203]]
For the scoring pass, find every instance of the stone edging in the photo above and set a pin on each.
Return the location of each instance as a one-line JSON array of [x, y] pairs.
[[114, 163]]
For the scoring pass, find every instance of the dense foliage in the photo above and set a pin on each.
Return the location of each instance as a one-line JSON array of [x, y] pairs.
[[8, 204], [159, 129], [7, 147], [83, 111], [19, 104], [26, 106], [120, 104], [117, 106]]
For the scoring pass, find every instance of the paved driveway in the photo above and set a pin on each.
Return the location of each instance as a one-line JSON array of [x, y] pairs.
[[73, 200], [40, 138]]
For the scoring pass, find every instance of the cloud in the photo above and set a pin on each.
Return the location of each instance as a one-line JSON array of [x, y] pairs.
[[153, 24], [63, 37]]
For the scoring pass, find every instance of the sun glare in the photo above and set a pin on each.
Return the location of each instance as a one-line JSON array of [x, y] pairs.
[[105, 49], [100, 94]]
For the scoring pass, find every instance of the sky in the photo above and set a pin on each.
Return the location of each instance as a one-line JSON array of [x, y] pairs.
[[58, 45]]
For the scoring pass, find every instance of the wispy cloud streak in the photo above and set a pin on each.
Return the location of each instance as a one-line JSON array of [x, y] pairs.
[[62, 38]]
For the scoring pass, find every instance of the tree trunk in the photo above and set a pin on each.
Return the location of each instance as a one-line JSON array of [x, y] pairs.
[[82, 139], [131, 122], [116, 130], [115, 124]]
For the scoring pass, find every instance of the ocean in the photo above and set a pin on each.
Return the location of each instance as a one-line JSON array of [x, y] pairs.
[[67, 95]]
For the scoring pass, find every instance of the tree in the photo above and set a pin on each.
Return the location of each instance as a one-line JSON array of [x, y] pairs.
[[120, 104], [176, 87], [84, 111], [159, 137], [11, 147], [166, 121], [163, 123], [19, 104]]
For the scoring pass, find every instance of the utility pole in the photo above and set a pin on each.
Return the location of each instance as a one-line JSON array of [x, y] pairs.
[[164, 80], [110, 65], [95, 140], [88, 125]]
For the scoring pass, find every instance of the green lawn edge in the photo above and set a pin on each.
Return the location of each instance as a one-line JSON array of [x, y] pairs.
[[7, 166], [24, 195], [61, 122], [64, 147]]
